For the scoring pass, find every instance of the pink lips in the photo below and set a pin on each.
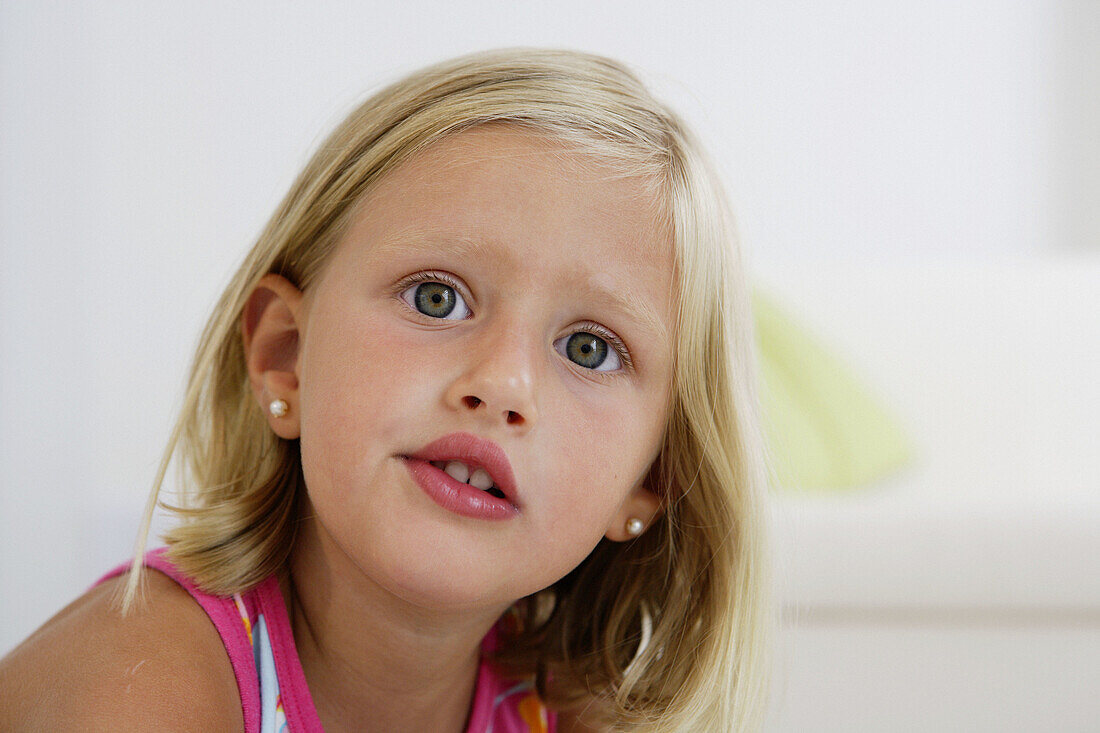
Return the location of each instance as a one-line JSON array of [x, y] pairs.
[[458, 497]]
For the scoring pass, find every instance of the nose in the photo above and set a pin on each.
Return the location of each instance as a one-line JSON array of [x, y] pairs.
[[498, 377]]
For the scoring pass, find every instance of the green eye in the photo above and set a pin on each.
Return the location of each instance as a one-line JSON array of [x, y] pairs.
[[586, 349], [590, 351], [435, 299]]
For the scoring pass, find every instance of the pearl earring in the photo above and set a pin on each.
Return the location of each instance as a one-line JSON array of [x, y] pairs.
[[278, 407], [634, 526]]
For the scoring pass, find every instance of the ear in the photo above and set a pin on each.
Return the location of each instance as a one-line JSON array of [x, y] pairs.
[[641, 504], [270, 328]]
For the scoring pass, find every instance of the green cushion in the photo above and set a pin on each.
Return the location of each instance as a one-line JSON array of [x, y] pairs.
[[824, 429]]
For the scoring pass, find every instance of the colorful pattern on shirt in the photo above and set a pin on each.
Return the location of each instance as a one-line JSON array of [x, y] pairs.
[[272, 715]]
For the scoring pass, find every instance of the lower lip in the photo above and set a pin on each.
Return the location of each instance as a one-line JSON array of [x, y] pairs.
[[458, 497]]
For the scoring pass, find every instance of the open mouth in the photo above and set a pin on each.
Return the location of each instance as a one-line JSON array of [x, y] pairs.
[[475, 496], [467, 474], [478, 478]]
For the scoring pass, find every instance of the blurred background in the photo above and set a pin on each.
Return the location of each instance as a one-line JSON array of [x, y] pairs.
[[917, 186]]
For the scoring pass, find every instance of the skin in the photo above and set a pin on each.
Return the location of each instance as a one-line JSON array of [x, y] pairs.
[[390, 594]]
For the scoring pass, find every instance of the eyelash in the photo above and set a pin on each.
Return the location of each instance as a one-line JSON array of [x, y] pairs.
[[590, 327]]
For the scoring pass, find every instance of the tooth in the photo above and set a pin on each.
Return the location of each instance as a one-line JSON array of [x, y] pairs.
[[458, 471], [481, 479]]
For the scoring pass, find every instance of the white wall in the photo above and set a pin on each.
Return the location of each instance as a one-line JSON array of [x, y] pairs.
[[143, 145]]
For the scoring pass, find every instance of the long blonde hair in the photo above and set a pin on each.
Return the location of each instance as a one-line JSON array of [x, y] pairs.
[[696, 584]]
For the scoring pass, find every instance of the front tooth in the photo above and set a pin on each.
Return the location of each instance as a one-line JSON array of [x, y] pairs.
[[458, 471], [481, 479]]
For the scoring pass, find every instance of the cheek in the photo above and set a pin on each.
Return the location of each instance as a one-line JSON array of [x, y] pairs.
[[356, 391], [597, 450], [356, 361]]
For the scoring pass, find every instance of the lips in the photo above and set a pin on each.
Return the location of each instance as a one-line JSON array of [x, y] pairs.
[[460, 497]]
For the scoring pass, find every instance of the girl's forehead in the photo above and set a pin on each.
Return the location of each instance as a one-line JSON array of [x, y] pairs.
[[496, 177]]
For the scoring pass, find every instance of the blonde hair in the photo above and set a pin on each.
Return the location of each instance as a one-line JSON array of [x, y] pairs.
[[697, 581]]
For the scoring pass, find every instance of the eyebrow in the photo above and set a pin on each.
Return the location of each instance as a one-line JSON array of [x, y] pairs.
[[466, 247], [629, 304]]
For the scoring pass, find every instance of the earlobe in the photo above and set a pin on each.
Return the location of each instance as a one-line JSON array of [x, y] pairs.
[[270, 333], [635, 516]]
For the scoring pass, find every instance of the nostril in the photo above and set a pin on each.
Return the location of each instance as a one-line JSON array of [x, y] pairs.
[[514, 417], [472, 401]]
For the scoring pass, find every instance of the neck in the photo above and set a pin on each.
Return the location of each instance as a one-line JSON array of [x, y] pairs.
[[371, 656]]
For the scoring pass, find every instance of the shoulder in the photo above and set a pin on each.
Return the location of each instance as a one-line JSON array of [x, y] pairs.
[[89, 667]]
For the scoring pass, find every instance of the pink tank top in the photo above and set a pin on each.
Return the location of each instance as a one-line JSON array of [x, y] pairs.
[[255, 629]]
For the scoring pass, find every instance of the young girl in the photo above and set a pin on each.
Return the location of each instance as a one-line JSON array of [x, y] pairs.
[[471, 442]]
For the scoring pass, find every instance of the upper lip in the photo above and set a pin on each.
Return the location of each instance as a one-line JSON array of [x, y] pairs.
[[476, 453]]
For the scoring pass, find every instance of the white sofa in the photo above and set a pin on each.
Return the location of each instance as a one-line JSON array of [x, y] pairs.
[[962, 593]]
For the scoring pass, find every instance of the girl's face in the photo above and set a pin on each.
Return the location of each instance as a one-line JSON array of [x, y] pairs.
[[448, 307]]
